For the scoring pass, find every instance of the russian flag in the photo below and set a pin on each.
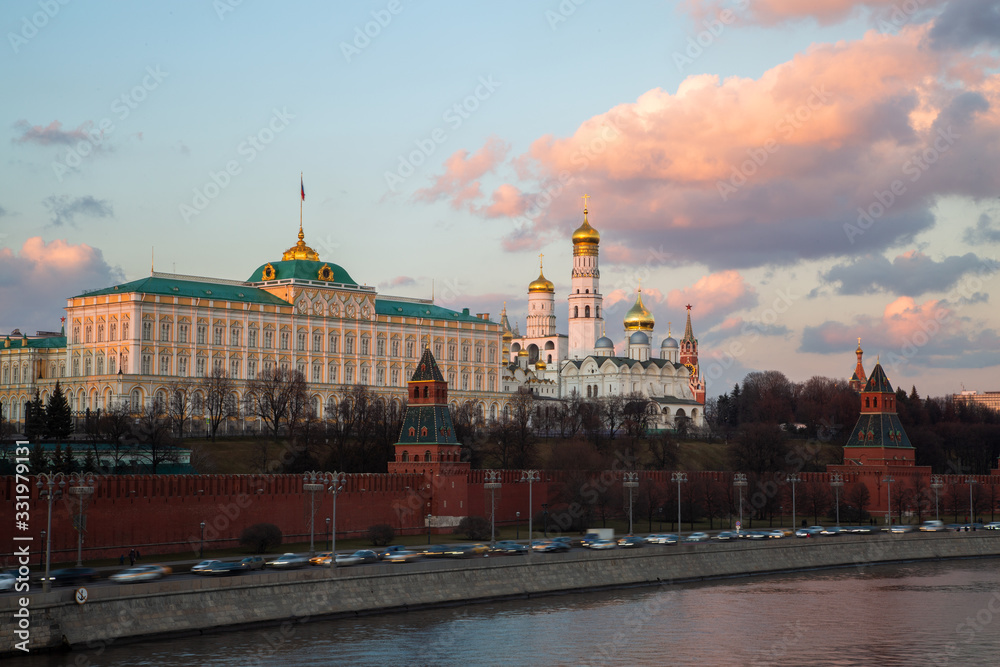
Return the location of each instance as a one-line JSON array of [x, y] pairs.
[[303, 186]]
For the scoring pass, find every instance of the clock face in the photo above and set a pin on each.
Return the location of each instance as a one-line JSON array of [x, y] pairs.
[[690, 368]]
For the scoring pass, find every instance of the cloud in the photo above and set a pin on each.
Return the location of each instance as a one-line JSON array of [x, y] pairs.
[[37, 280], [742, 172], [910, 274], [738, 326], [824, 12], [986, 231], [461, 170], [3, 211], [714, 294], [64, 210], [399, 281], [51, 134], [967, 23], [928, 334]]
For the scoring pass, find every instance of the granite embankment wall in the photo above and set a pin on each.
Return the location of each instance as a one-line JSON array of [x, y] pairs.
[[176, 608]]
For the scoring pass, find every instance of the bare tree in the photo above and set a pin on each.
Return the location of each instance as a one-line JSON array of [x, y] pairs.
[[276, 393], [612, 410], [154, 430], [116, 425], [569, 416], [760, 448], [859, 497], [217, 387], [179, 406]]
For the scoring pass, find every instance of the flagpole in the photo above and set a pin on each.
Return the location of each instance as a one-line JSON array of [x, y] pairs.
[[301, 199]]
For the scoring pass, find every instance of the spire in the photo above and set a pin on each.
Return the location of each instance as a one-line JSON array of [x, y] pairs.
[[688, 331]]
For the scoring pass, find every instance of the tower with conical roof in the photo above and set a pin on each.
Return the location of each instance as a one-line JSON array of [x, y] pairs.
[[689, 346], [878, 437], [859, 379], [541, 306], [585, 321]]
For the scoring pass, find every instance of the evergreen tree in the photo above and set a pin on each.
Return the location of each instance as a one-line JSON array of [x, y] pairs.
[[58, 460], [89, 463], [58, 417], [37, 460], [69, 463], [34, 418]]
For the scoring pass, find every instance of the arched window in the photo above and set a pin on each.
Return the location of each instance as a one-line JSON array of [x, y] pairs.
[[406, 457], [588, 391], [425, 392], [586, 311], [576, 311], [875, 402], [412, 431], [416, 392], [427, 456], [423, 432], [867, 402]]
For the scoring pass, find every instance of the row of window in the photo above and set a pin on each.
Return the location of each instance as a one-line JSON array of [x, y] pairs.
[[89, 332]]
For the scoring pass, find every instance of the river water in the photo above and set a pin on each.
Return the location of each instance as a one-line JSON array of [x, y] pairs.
[[944, 613]]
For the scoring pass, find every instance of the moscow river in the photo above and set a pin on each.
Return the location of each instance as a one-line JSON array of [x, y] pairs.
[[945, 613]]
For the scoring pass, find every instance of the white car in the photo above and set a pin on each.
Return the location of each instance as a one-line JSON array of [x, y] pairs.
[[203, 567], [603, 544], [288, 561], [7, 581], [140, 573]]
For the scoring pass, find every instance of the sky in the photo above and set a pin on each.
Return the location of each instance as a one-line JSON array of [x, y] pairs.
[[802, 172]]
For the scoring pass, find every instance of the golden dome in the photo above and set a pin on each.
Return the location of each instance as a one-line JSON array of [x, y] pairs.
[[541, 284], [638, 318], [522, 353], [585, 233], [540, 365], [300, 250]]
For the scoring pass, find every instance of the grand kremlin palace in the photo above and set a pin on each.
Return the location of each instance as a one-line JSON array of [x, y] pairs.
[[139, 340]]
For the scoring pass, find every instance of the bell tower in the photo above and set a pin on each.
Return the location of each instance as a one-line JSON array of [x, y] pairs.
[[585, 320]]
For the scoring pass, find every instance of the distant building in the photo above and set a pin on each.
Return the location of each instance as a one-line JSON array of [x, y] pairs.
[[991, 399]]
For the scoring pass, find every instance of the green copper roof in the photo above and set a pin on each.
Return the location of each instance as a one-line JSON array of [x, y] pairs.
[[435, 418], [192, 288], [878, 382], [302, 269], [879, 429], [49, 342], [427, 369], [394, 308]]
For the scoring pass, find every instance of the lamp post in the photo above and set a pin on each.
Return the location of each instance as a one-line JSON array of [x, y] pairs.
[[545, 519], [81, 485], [201, 548], [630, 480], [428, 529], [937, 483], [680, 478], [517, 526], [312, 482], [530, 476], [970, 481], [337, 481], [889, 480], [837, 481], [49, 482], [740, 481], [491, 485], [329, 533], [793, 479]]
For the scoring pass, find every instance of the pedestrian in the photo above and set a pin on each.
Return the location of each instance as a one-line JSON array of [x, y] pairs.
[[131, 557], [121, 560]]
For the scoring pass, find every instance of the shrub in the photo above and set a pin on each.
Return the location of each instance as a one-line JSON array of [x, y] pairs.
[[381, 534], [474, 528], [260, 537]]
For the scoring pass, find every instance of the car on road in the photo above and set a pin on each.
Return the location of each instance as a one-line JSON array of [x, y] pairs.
[[7, 581], [384, 552], [755, 534], [551, 547], [631, 541], [357, 558], [663, 538], [992, 525], [862, 530], [833, 531], [203, 567], [600, 545], [900, 528], [509, 548], [252, 563], [727, 535], [932, 526], [697, 537], [140, 573], [775, 534], [225, 567], [437, 551], [71, 576], [811, 531], [404, 556], [288, 561], [322, 558]]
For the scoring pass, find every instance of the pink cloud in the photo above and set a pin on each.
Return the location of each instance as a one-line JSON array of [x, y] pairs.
[[714, 294], [461, 170], [51, 134], [824, 12], [506, 201]]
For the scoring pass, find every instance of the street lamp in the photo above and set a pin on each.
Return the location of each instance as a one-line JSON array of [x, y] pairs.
[[530, 476], [545, 519], [329, 533], [81, 485], [337, 481], [970, 481], [428, 529], [630, 481], [491, 485], [889, 480], [312, 482], [517, 526], [201, 549], [793, 479], [42, 555], [49, 481], [937, 483], [740, 481], [679, 477], [837, 481]]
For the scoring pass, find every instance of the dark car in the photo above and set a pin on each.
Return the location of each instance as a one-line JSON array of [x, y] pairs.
[[509, 548], [226, 567], [437, 551], [71, 576], [631, 541], [356, 558], [551, 547], [385, 552]]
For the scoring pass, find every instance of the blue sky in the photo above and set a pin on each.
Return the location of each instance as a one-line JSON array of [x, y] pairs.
[[652, 108]]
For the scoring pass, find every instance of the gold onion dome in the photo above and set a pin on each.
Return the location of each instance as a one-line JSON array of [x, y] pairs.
[[585, 233], [300, 250], [638, 318], [541, 284]]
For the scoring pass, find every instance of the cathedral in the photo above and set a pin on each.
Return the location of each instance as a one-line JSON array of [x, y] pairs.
[[589, 363]]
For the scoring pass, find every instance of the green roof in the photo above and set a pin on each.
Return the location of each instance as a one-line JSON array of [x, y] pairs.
[[427, 369], [302, 269], [48, 342], [435, 418], [393, 308], [878, 382], [879, 429], [192, 288]]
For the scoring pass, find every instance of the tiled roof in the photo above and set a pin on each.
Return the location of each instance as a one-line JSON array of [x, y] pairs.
[[435, 418], [191, 288], [626, 361], [427, 369], [878, 429], [302, 269], [48, 342], [393, 308], [878, 382]]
